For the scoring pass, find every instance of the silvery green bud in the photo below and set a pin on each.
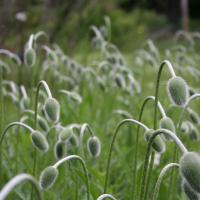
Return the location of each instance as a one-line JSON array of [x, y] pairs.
[[178, 90], [52, 110], [48, 177]]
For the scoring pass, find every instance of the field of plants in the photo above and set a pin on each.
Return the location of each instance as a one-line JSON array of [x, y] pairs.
[[103, 125]]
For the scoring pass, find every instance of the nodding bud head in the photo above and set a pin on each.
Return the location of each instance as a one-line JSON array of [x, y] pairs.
[[65, 134], [43, 124], [158, 144], [39, 141], [193, 134], [167, 123], [60, 149], [94, 146], [48, 177], [24, 103], [189, 168], [178, 91], [190, 193], [120, 81], [194, 117], [73, 140], [29, 57], [52, 110]]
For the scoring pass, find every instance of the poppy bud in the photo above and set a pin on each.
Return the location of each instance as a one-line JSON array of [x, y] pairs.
[[158, 145], [94, 146], [52, 110], [189, 168], [29, 57], [48, 177], [39, 141], [178, 91]]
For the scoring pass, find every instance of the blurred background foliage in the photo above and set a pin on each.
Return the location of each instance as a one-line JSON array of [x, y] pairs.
[[68, 21]]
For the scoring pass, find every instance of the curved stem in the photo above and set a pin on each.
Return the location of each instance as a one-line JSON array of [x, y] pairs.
[[18, 180], [135, 122], [5, 131], [190, 99], [57, 164], [171, 70], [147, 99], [158, 132], [106, 196], [173, 178], [160, 178], [82, 131], [11, 125], [46, 87]]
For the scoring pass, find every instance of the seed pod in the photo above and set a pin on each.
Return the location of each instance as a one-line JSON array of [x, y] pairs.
[[48, 177], [158, 144], [29, 57], [194, 117], [52, 110], [60, 149], [178, 91], [190, 193], [94, 146], [65, 134], [43, 124], [167, 123], [189, 168], [39, 141]]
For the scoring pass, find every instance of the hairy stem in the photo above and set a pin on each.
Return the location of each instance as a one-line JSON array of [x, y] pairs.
[[56, 165], [160, 178], [135, 122], [18, 180]]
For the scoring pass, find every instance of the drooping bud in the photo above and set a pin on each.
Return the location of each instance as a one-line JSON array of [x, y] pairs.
[[190, 193], [158, 144], [189, 168], [178, 91], [29, 57], [52, 110], [65, 134], [48, 177], [39, 141], [60, 149], [167, 123], [73, 140], [194, 117], [43, 124], [193, 133], [94, 146]]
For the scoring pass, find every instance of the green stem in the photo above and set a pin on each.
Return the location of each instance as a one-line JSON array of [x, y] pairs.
[[46, 87], [135, 122], [56, 165], [18, 180], [171, 70], [106, 196], [1, 108], [4, 133], [158, 132], [175, 155], [147, 99], [149, 174], [82, 131], [160, 178]]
